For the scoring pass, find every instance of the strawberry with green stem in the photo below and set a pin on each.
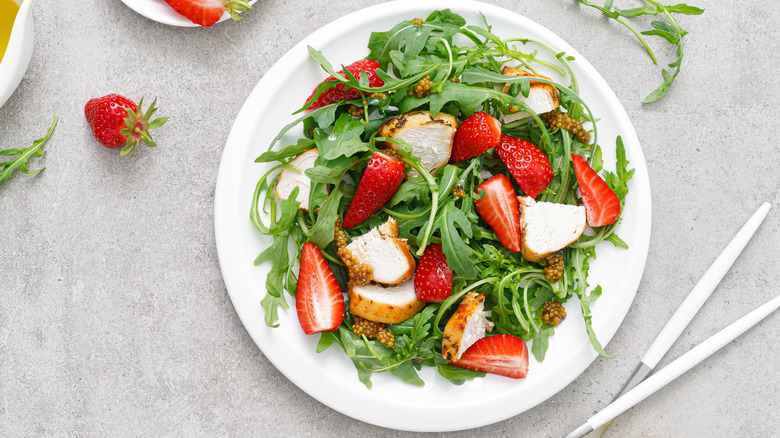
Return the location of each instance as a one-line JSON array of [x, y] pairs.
[[208, 12], [117, 121]]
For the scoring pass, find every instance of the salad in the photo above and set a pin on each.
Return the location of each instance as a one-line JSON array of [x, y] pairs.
[[451, 190]]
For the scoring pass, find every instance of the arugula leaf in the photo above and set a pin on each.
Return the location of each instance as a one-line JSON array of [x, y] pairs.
[[541, 341], [414, 189], [458, 375], [343, 140], [452, 224], [302, 145], [23, 155], [669, 30], [323, 231]]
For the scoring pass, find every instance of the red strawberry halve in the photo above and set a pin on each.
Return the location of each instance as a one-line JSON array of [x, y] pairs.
[[506, 355], [207, 12], [318, 297], [602, 205], [338, 93], [501, 210], [479, 133], [433, 278], [380, 181], [527, 163]]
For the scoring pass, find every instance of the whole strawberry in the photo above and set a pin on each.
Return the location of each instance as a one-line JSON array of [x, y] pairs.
[[116, 121], [433, 279], [527, 163], [207, 12], [477, 134], [338, 93], [381, 179]]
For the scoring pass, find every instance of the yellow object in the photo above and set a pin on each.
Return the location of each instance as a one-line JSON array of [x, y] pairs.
[[8, 10]]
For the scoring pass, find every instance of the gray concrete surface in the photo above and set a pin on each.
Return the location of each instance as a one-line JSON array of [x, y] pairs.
[[114, 320]]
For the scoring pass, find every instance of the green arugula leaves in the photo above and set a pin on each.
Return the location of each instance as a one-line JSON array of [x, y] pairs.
[[21, 156], [668, 29]]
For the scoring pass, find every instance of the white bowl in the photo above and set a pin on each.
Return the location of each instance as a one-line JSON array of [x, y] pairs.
[[18, 53]]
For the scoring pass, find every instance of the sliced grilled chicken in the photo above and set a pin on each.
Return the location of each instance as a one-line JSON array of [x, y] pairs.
[[291, 178], [466, 326], [547, 227], [430, 136], [386, 253], [541, 98], [389, 305]]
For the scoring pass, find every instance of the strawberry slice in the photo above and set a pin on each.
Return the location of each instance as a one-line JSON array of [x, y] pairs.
[[433, 279], [380, 181], [338, 93], [500, 209], [477, 134], [318, 297], [527, 163], [207, 12], [506, 355], [602, 205]]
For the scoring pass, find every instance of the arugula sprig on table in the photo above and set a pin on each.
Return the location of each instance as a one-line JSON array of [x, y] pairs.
[[426, 209], [20, 156], [668, 29]]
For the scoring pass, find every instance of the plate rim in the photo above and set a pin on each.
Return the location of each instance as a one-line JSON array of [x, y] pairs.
[[323, 34]]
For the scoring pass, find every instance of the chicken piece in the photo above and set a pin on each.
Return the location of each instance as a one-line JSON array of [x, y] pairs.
[[547, 227], [430, 136], [389, 305], [541, 98], [387, 254], [466, 326], [291, 178]]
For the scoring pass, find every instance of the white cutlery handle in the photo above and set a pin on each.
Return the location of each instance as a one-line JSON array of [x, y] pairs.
[[703, 289], [683, 364]]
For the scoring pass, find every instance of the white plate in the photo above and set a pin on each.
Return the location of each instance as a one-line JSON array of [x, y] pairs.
[[159, 11], [330, 377]]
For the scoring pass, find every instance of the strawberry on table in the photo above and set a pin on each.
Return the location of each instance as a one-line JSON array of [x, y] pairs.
[[338, 93], [477, 134], [501, 210], [527, 163], [318, 297], [602, 205], [380, 181], [506, 355], [433, 279], [207, 12], [116, 121]]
